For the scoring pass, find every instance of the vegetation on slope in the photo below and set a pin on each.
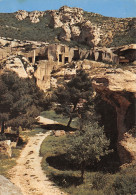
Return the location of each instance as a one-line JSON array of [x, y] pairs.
[[123, 29], [25, 30]]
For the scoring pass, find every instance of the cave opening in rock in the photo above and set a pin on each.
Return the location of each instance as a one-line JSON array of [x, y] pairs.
[[100, 56], [66, 60], [41, 57], [76, 56], [108, 119], [60, 57]]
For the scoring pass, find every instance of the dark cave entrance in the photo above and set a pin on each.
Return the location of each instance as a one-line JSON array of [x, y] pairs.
[[108, 116], [66, 60], [60, 57], [76, 55], [108, 119], [100, 56]]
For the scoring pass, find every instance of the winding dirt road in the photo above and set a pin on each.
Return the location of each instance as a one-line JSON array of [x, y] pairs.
[[28, 174]]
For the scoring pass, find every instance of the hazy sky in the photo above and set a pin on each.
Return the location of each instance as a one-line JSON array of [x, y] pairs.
[[115, 8]]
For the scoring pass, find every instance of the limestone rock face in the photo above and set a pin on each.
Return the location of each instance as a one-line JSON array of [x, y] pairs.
[[69, 19], [90, 34], [56, 21], [66, 15], [34, 15], [5, 148], [8, 188], [129, 143], [21, 14], [65, 33], [75, 32], [17, 65], [117, 80], [113, 87]]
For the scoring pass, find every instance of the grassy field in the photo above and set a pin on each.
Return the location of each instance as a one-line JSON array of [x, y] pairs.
[[97, 182]]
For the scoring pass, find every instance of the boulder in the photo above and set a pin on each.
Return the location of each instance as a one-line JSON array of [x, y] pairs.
[[5, 148], [8, 188]]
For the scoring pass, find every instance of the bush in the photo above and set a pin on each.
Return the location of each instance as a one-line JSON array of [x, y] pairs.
[[125, 185], [99, 181]]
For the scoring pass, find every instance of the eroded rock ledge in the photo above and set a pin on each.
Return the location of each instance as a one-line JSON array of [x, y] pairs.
[[114, 88]]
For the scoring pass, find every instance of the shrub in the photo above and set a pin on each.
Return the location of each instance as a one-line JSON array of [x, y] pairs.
[[125, 185]]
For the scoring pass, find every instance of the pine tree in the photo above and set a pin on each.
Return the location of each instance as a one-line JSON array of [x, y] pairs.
[[74, 98]]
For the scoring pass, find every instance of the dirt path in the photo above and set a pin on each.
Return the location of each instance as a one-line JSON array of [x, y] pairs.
[[28, 174]]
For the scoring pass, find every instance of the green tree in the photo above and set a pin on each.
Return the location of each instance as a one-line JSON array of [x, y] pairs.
[[87, 146], [74, 98], [20, 101]]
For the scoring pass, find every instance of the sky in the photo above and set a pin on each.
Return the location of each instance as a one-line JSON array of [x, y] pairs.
[[113, 8]]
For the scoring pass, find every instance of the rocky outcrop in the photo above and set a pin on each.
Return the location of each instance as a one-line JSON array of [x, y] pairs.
[[89, 34], [75, 32], [21, 14], [20, 65], [65, 34], [5, 148], [128, 143], [69, 19], [66, 15], [33, 16], [113, 86], [8, 188]]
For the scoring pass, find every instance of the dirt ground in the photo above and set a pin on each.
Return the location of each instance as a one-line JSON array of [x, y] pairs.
[[28, 174]]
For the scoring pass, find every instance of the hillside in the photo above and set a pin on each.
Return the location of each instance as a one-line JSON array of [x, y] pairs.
[[71, 26]]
